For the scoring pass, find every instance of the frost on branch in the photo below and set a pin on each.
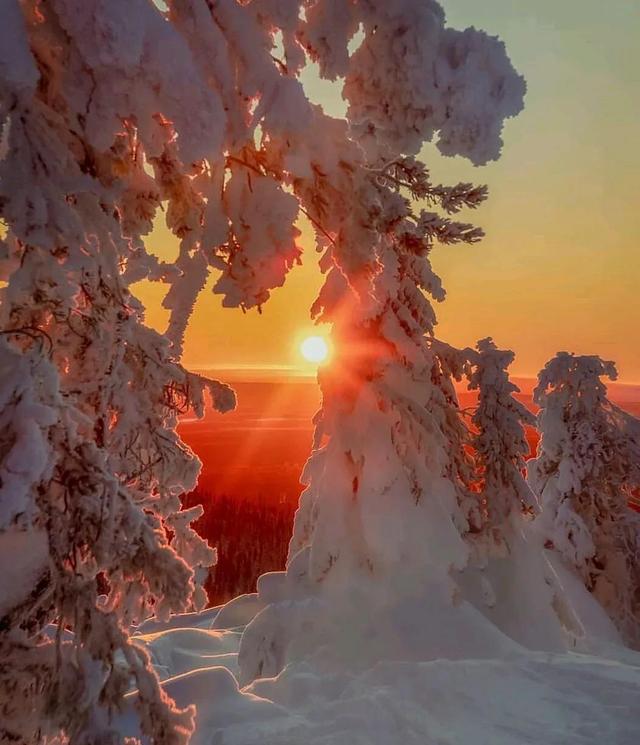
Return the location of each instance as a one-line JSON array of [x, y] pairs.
[[500, 443], [587, 466]]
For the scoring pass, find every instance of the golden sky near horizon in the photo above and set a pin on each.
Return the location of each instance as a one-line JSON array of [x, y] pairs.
[[560, 267]]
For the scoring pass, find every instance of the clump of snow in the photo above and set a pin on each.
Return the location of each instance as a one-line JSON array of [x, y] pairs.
[[412, 78], [23, 557], [17, 67]]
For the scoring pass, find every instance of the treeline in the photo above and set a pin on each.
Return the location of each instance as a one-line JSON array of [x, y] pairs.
[[251, 534]]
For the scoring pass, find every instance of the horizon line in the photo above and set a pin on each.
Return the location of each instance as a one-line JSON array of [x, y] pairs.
[[300, 372]]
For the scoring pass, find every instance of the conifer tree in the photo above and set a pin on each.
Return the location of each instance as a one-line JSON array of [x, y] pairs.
[[587, 466], [499, 443], [386, 505]]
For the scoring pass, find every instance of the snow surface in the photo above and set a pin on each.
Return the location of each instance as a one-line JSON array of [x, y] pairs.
[[514, 698]]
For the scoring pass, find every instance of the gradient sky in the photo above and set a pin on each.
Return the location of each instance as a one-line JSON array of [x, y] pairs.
[[559, 268]]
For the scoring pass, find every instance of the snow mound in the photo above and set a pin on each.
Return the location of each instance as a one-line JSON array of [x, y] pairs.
[[238, 612], [177, 651], [534, 698], [219, 704], [518, 697], [203, 620]]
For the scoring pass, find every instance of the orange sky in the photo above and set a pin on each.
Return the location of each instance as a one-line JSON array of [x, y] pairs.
[[559, 268]]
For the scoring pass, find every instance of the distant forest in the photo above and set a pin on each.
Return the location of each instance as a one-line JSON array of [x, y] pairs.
[[250, 488], [251, 534]]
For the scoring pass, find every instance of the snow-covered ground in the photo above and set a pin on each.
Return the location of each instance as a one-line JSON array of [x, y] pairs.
[[515, 698]]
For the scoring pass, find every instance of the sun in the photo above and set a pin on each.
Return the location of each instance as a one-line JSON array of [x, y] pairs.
[[315, 349]]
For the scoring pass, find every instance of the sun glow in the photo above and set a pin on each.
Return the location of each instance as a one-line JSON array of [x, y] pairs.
[[314, 349]]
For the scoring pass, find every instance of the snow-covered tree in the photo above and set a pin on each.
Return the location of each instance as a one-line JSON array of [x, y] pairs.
[[386, 505], [112, 109], [499, 442], [587, 465], [92, 99], [508, 578]]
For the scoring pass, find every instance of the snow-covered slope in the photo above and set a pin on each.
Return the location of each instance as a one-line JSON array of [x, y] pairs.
[[515, 698]]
